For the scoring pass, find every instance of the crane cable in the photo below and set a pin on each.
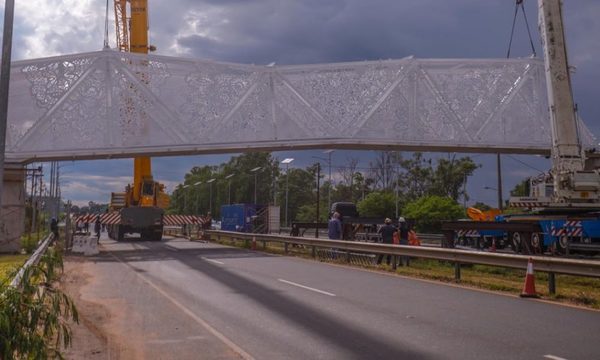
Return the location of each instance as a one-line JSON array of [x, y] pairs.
[[517, 3], [106, 27]]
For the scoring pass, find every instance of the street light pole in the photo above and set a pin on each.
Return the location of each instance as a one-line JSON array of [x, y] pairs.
[[185, 198], [499, 166], [287, 178], [9, 11], [255, 171], [318, 199], [228, 177], [198, 198], [210, 194], [329, 152]]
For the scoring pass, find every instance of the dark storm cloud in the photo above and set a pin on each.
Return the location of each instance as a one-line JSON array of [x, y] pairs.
[[346, 30], [311, 31]]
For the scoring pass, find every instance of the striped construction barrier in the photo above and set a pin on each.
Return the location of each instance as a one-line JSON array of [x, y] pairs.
[[468, 233], [114, 217], [571, 228]]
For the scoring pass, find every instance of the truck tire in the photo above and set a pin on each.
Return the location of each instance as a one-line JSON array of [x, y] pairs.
[[537, 243], [561, 244], [521, 242], [515, 241], [120, 233]]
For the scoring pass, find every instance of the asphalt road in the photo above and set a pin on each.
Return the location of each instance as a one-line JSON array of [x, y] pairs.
[[272, 307]]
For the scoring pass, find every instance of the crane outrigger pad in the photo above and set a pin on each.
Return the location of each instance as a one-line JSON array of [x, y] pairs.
[[112, 104]]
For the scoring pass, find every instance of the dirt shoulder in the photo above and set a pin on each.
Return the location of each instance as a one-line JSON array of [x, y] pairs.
[[93, 337], [123, 316]]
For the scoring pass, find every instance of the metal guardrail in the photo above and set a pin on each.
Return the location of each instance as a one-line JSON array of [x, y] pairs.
[[542, 263], [33, 260]]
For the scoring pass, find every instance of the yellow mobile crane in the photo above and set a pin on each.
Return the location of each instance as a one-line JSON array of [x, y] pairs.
[[142, 204]]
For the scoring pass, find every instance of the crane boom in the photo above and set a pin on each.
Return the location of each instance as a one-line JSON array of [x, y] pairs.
[[570, 184], [121, 25], [142, 205]]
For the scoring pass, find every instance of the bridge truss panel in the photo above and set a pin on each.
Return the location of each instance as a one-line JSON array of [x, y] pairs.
[[113, 104]]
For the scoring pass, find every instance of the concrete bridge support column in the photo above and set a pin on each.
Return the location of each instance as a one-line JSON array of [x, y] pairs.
[[12, 212]]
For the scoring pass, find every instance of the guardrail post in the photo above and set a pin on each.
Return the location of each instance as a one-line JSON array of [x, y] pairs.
[[348, 256], [246, 243], [314, 251], [448, 241], [394, 263], [285, 245], [457, 272], [551, 283], [264, 245]]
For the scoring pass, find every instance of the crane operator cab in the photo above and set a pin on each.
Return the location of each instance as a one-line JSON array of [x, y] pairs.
[[148, 190]]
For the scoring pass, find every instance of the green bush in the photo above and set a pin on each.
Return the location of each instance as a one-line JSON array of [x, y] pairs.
[[429, 212], [378, 204], [33, 317]]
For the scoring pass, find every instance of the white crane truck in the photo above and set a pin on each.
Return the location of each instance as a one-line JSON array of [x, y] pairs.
[[565, 202]]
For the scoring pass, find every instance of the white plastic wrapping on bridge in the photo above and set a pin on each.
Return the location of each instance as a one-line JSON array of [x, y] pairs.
[[108, 103]]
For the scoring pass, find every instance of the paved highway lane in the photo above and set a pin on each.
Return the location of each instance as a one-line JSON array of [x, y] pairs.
[[273, 307]]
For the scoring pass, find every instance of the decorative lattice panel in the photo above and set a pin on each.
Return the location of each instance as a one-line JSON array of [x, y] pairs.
[[107, 103]]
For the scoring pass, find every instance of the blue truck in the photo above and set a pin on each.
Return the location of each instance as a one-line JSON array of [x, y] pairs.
[[238, 217]]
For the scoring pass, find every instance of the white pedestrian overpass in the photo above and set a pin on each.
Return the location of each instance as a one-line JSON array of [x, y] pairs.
[[109, 104]]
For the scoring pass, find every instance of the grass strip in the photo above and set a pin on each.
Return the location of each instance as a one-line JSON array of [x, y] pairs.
[[10, 263]]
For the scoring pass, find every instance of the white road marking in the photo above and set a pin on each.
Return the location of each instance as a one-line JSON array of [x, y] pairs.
[[213, 261], [306, 287], [244, 355], [554, 357]]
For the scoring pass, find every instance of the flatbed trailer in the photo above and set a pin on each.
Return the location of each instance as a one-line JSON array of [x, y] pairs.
[[532, 233]]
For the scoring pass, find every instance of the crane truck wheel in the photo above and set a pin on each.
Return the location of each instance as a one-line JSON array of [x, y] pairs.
[[515, 242], [120, 233], [561, 244], [537, 244], [521, 243]]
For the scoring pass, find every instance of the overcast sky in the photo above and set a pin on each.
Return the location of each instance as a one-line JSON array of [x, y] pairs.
[[310, 31]]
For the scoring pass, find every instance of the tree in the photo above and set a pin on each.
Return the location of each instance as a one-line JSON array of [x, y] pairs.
[[429, 211], [450, 176], [195, 199], [347, 190], [301, 193], [482, 206], [416, 177], [384, 169], [378, 204], [521, 189]]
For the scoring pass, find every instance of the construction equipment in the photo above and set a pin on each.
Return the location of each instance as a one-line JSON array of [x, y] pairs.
[[142, 204], [564, 204]]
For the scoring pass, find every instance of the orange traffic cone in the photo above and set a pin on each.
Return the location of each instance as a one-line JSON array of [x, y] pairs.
[[529, 286], [254, 243]]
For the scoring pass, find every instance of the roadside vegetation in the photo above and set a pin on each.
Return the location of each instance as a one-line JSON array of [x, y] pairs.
[[34, 316], [575, 290], [390, 182], [9, 264]]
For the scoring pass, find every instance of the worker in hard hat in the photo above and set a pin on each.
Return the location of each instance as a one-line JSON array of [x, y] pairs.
[[403, 230], [387, 236]]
